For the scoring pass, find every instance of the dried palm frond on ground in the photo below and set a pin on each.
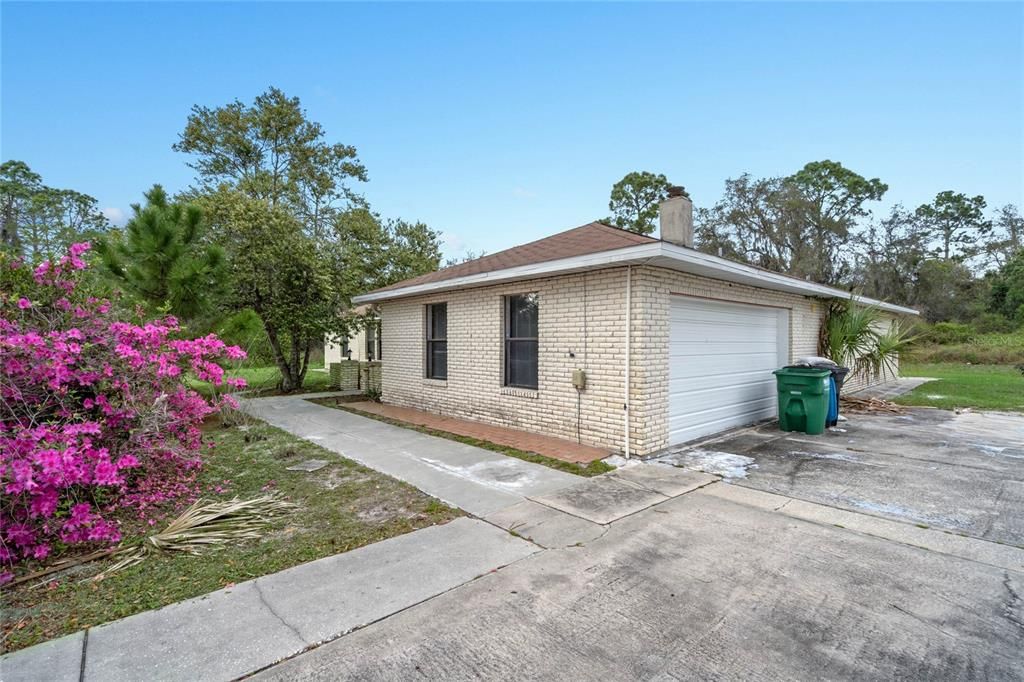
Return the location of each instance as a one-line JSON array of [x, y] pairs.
[[205, 524], [854, 405]]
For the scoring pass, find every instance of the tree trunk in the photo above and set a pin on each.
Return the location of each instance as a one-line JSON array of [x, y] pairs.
[[307, 349], [288, 382]]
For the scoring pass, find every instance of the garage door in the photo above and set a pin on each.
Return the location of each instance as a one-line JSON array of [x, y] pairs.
[[721, 357]]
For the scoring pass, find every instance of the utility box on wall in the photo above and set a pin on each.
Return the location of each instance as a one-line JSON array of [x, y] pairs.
[[579, 379]]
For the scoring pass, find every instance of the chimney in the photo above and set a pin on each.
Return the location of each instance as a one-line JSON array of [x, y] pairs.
[[676, 214]]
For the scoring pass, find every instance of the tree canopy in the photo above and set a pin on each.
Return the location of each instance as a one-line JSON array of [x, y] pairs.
[[270, 150], [800, 224], [634, 201], [957, 223], [39, 222], [299, 241], [161, 259]]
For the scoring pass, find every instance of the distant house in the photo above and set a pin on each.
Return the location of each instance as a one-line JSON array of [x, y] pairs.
[[613, 338], [363, 345]]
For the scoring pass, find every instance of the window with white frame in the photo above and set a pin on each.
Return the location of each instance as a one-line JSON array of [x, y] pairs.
[[521, 341], [437, 341]]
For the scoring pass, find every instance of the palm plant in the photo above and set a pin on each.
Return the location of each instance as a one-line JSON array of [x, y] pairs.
[[859, 337]]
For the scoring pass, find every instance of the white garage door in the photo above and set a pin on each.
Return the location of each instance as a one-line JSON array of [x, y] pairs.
[[721, 357]]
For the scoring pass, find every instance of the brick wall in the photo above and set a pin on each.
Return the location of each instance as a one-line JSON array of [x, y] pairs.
[[581, 325], [581, 321]]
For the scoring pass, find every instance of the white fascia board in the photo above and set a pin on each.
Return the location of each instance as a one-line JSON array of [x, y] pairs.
[[658, 254], [697, 262], [562, 266]]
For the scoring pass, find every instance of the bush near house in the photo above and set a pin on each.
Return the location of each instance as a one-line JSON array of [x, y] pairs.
[[94, 415], [976, 349]]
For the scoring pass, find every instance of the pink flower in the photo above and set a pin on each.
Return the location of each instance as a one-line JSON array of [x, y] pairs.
[[121, 425]]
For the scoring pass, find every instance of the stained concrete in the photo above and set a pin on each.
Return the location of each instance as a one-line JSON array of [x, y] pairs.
[[664, 480], [962, 473], [545, 526], [477, 480], [602, 499], [59, 660], [238, 630], [933, 539], [891, 389], [701, 587]]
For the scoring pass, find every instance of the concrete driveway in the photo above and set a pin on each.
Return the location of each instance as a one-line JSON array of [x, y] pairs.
[[962, 473], [872, 555], [703, 587]]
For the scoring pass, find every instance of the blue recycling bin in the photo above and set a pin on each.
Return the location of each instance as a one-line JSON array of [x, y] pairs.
[[833, 402]]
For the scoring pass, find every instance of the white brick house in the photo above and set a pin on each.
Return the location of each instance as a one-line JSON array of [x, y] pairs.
[[673, 343]]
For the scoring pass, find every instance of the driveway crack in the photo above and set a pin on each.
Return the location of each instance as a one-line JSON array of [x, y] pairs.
[[275, 614], [923, 621], [1013, 603]]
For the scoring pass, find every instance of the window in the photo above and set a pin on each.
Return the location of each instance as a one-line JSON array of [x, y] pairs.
[[371, 339], [437, 341], [373, 348], [521, 341]]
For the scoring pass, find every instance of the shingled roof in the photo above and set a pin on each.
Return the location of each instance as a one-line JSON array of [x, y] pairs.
[[579, 241]]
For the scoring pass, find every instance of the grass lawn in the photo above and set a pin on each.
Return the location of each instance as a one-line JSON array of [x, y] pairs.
[[988, 387], [341, 507], [592, 469], [264, 380]]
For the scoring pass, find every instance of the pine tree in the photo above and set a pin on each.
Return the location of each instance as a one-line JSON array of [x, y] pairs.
[[162, 261]]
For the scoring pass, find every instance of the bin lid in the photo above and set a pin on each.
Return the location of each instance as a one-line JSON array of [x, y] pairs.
[[815, 361], [803, 371]]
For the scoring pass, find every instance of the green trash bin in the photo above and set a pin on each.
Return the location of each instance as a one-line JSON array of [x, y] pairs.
[[803, 398]]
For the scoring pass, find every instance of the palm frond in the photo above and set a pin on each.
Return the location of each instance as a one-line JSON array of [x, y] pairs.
[[884, 356], [206, 524], [853, 334]]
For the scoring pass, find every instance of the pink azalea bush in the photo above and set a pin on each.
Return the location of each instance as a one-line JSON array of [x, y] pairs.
[[94, 414]]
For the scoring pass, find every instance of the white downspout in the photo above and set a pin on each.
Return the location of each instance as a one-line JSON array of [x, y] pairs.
[[629, 334]]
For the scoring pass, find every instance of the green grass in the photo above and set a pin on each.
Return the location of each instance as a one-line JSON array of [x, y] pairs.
[[595, 468], [341, 507], [264, 381], [986, 387]]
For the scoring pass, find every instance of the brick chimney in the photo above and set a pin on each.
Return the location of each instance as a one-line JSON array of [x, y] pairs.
[[676, 215]]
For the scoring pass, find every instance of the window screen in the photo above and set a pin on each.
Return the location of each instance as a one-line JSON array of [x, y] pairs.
[[521, 341], [437, 341]]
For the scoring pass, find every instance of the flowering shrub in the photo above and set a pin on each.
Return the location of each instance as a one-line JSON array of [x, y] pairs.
[[94, 416]]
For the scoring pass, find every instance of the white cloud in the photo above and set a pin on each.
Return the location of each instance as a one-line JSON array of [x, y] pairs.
[[115, 215]]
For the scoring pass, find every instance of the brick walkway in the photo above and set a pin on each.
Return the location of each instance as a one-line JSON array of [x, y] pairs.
[[556, 448]]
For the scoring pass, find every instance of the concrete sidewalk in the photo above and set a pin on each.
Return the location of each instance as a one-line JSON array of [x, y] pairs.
[[891, 389], [246, 628], [721, 583], [239, 630], [476, 480]]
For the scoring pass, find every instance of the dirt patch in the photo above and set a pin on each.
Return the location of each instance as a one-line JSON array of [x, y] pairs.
[[335, 477]]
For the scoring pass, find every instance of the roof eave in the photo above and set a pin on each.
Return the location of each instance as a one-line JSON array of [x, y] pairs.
[[658, 254]]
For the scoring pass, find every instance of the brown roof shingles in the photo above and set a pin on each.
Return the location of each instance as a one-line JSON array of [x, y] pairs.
[[579, 241]]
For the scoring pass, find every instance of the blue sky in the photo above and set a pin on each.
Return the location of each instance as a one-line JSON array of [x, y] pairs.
[[501, 123]]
